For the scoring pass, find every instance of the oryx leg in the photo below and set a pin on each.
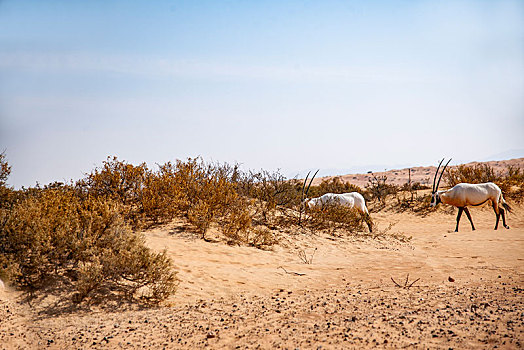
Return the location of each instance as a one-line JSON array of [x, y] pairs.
[[466, 210], [497, 211], [502, 212], [369, 222], [458, 218]]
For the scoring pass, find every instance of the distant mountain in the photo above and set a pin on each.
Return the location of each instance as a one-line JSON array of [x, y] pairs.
[[511, 154], [344, 171], [507, 155], [421, 174]]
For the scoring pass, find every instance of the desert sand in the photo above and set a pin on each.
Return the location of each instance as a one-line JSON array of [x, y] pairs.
[[466, 293]]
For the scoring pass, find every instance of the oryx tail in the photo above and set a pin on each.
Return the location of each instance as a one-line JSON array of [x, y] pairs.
[[504, 204]]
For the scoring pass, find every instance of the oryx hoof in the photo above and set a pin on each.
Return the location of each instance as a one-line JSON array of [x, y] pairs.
[[506, 226]]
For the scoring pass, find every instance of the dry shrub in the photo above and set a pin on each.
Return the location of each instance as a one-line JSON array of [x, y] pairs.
[[333, 217], [117, 180], [333, 185], [159, 196], [147, 197], [418, 204], [477, 173], [237, 223], [121, 182], [7, 267], [512, 184], [7, 195], [204, 193], [273, 194], [413, 186], [5, 170], [260, 237], [209, 195], [56, 235], [377, 188]]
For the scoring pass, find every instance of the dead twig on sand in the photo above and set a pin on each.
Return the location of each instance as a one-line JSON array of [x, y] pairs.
[[305, 259], [291, 272], [406, 285]]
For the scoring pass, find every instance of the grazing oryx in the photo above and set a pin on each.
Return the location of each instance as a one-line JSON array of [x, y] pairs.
[[463, 195], [350, 200]]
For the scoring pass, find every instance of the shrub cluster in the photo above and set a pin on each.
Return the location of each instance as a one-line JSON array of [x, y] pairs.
[[62, 236], [205, 194], [244, 206]]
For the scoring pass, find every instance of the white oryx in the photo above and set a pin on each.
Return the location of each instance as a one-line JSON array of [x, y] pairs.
[[350, 200], [464, 194]]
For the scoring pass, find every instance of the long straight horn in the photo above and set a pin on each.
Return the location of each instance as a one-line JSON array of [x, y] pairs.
[[304, 185], [436, 173], [442, 173], [310, 182]]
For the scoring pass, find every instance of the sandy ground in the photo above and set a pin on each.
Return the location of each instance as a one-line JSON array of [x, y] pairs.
[[467, 293]]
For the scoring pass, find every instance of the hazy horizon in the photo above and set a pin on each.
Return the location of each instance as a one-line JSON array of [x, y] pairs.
[[297, 173], [275, 85]]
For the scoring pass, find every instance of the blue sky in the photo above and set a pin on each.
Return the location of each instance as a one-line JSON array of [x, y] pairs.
[[270, 84]]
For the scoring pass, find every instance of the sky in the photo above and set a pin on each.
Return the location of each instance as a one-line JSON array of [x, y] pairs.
[[289, 85]]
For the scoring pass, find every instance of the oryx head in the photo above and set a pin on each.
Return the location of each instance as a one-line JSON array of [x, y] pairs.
[[308, 202], [435, 197]]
